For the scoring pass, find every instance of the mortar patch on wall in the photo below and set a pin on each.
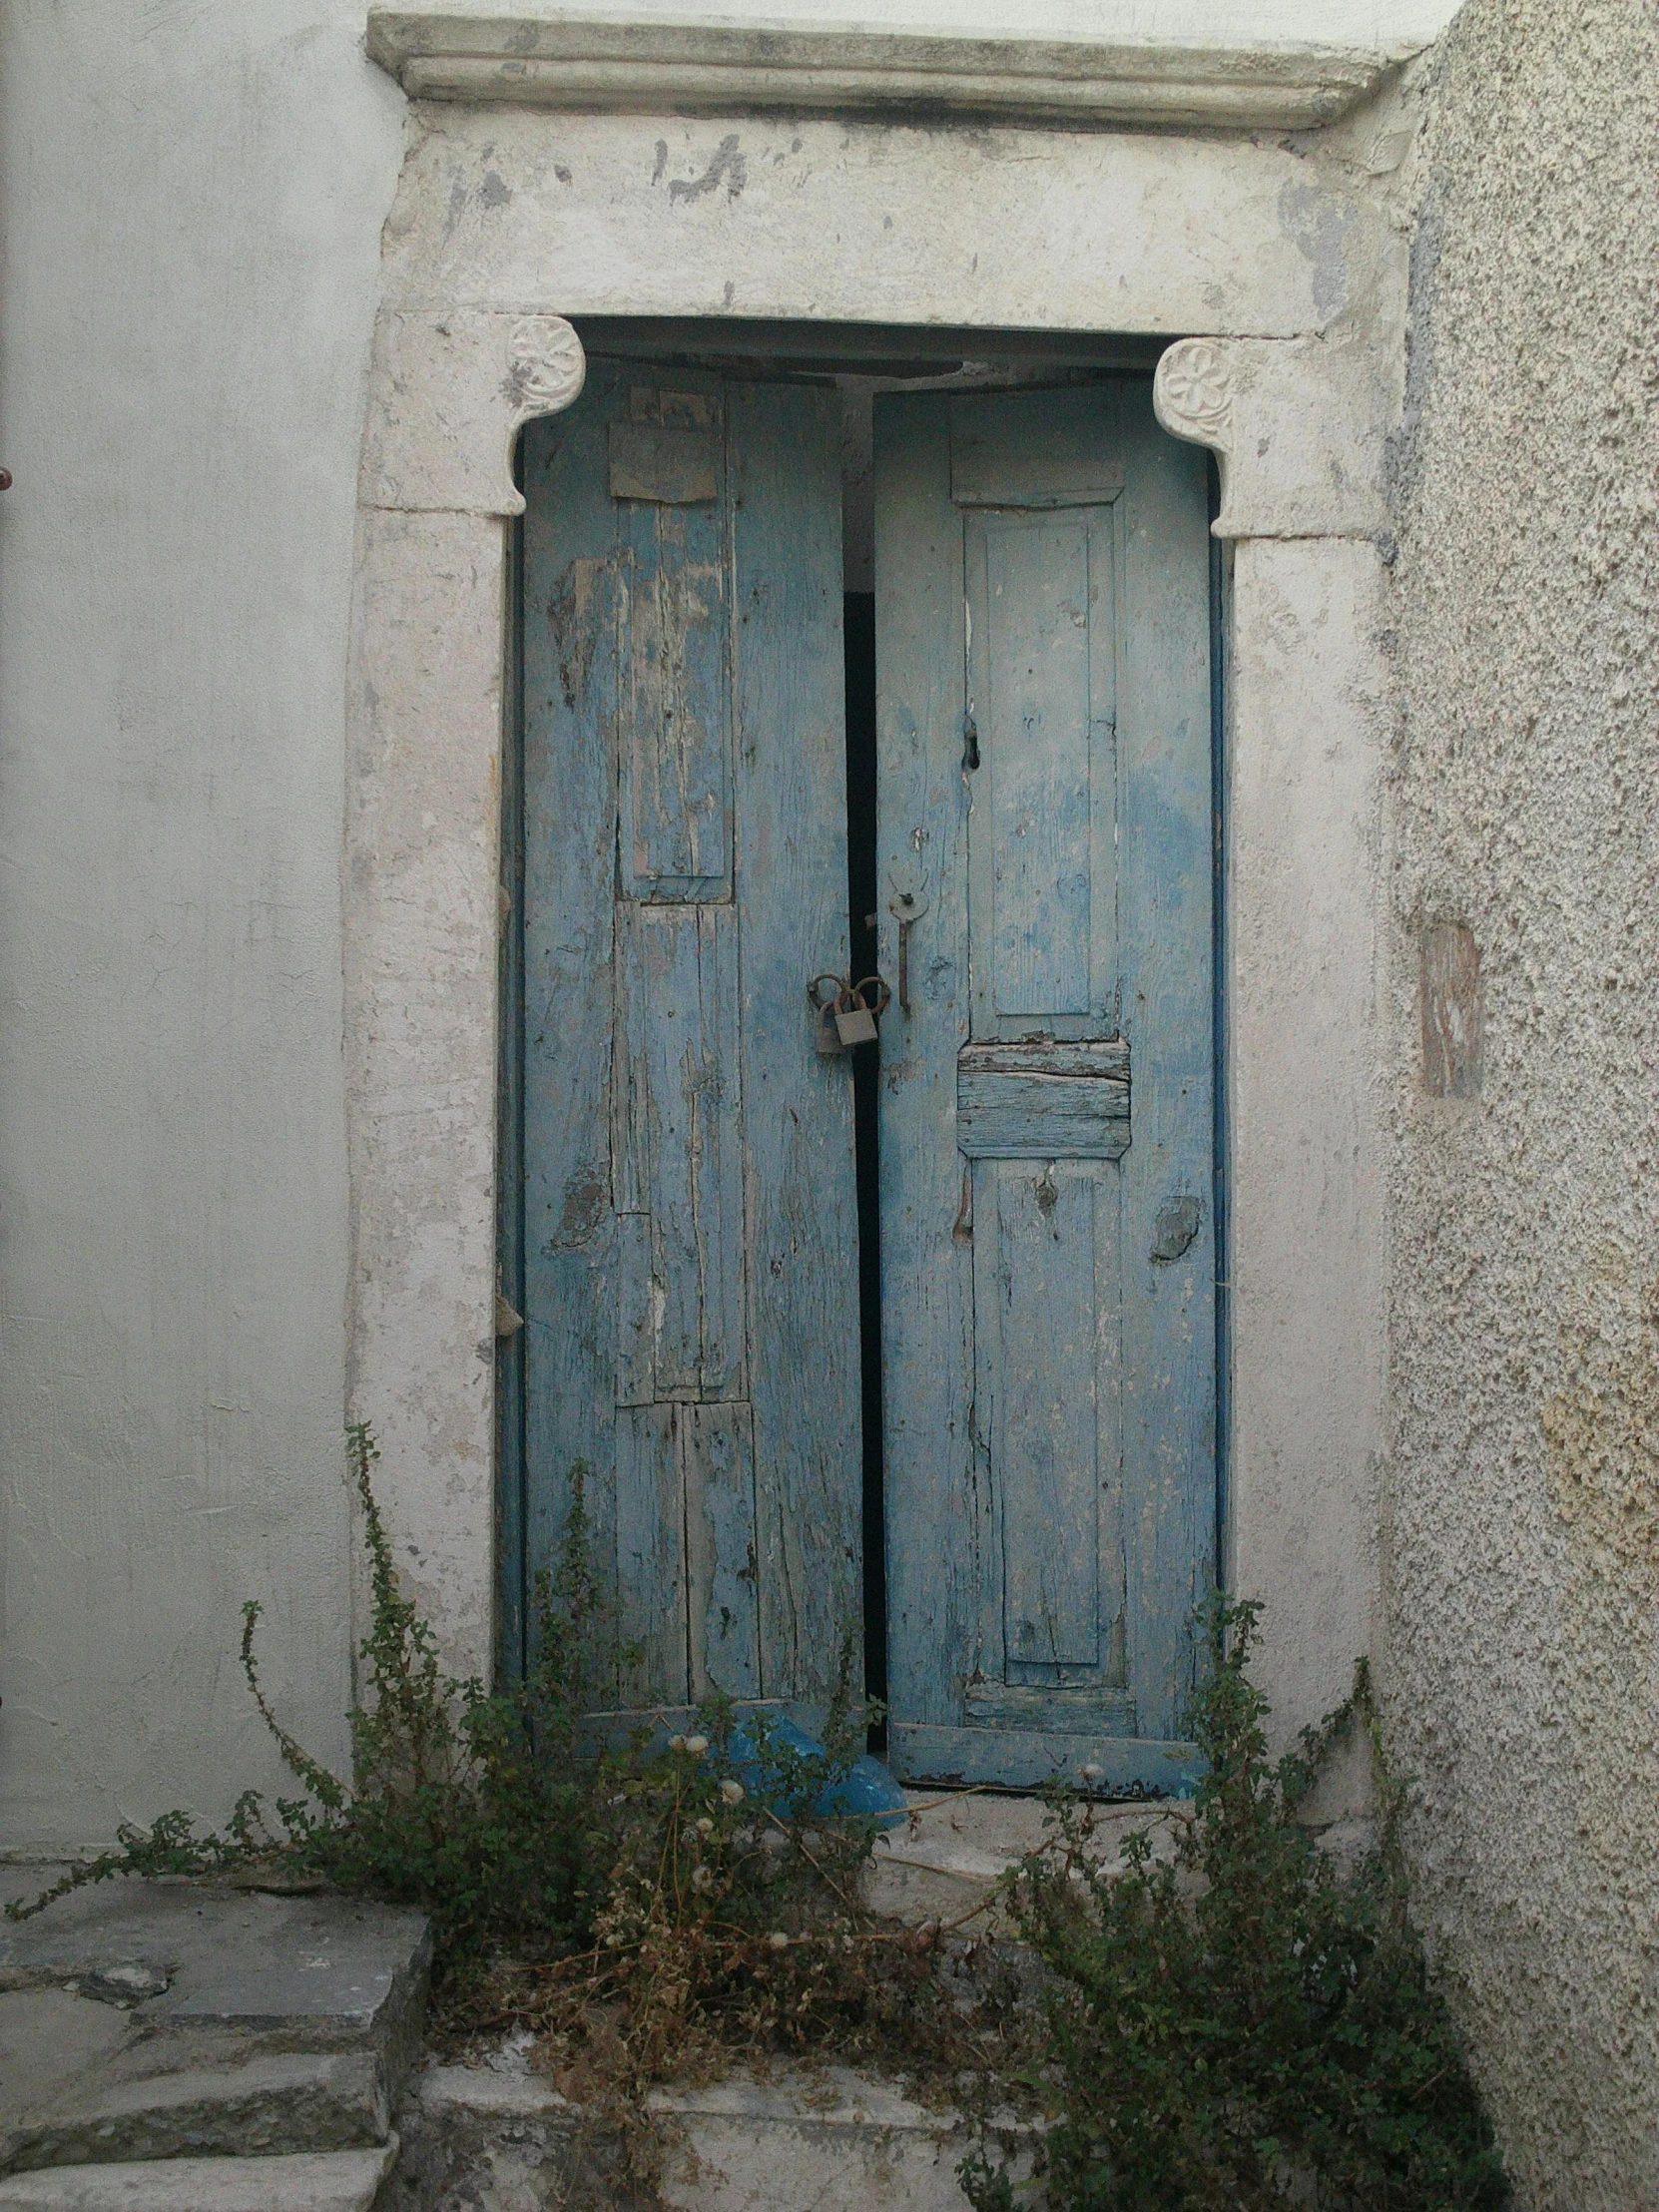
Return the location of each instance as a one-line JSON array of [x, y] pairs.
[[1453, 1013]]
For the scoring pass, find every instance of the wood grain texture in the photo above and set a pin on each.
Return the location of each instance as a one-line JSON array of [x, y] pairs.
[[1033, 451], [567, 926], [1165, 896], [676, 468], [1065, 1709], [1035, 1323], [791, 792], [1452, 1011], [717, 1458], [944, 1580], [1062, 1543], [680, 1074], [1027, 1758], [1032, 872], [1043, 1102], [676, 759], [1041, 618], [690, 1221]]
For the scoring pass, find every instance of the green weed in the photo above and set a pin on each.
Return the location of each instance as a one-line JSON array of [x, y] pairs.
[[1237, 2026], [1241, 2025]]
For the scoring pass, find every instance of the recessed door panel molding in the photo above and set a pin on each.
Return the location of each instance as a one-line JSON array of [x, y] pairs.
[[1043, 591]]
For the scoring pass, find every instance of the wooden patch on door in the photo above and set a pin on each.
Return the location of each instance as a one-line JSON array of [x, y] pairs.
[[669, 467], [1043, 1101]]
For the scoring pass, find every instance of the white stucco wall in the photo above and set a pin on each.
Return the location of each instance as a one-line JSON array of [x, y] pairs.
[[1522, 1551], [192, 202], [193, 199]]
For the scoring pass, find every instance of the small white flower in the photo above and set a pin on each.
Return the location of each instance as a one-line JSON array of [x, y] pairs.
[[696, 1745], [777, 1939], [677, 1742], [702, 1880], [705, 1826], [732, 1791], [1090, 1772]]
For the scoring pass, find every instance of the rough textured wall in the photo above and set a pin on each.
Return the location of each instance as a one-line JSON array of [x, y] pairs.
[[193, 199], [1523, 1540]]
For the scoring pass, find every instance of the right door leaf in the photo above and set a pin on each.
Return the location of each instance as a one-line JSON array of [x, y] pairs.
[[1047, 1103]]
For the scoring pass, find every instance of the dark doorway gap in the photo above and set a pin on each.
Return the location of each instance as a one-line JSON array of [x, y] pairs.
[[860, 611]]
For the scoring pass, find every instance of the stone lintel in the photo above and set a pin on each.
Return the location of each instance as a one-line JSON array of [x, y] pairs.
[[682, 68]]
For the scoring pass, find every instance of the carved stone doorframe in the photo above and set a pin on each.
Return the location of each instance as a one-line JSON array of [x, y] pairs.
[[1299, 427], [448, 395]]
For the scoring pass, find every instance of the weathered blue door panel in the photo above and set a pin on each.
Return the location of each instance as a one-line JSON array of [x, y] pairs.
[[690, 1240], [1047, 1113]]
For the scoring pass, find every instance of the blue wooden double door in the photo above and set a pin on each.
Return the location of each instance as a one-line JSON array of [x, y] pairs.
[[685, 1220]]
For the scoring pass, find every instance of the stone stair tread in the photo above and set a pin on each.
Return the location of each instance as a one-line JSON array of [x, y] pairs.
[[799, 2138], [815, 2096], [268, 2103], [308, 2181], [192, 1955]]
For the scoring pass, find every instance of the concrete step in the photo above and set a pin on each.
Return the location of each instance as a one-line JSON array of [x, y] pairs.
[[284, 2101], [497, 2138], [151, 2020], [832, 2140], [309, 2181], [957, 1845]]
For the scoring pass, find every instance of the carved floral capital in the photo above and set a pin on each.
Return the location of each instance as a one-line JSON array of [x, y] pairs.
[[1191, 393], [1299, 428], [546, 366], [450, 392]]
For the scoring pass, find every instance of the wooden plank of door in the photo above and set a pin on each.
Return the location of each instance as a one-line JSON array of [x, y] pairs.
[[690, 1199], [678, 1017], [1037, 1315], [716, 1457], [791, 812], [941, 1569], [650, 1485], [676, 773], [569, 867], [1028, 588], [1164, 894]]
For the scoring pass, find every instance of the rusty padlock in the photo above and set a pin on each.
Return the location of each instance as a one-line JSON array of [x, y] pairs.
[[856, 1014], [824, 1002]]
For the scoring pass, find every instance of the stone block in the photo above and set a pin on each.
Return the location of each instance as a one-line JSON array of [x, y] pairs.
[[497, 2138], [274, 2102], [224, 2023], [330, 2182], [955, 1847], [826, 2141], [194, 1958], [50, 2039]]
